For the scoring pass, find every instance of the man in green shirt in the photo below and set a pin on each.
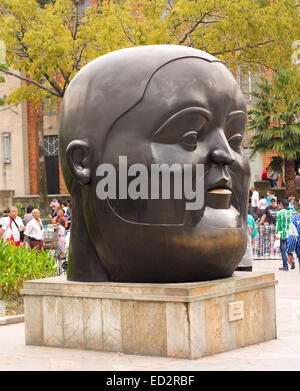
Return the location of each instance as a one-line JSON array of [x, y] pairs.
[[282, 230]]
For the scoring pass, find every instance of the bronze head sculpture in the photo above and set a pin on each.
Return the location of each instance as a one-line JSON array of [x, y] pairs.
[[155, 105]]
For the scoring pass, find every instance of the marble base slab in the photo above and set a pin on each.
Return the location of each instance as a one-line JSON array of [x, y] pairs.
[[187, 320]]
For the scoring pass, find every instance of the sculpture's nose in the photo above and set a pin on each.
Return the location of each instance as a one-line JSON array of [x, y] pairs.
[[221, 154]]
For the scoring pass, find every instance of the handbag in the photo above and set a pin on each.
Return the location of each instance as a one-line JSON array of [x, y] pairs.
[[21, 232], [277, 244]]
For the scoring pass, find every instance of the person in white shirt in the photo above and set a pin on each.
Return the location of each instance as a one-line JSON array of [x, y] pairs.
[[61, 237], [2, 219], [262, 204], [11, 228], [254, 203], [34, 230]]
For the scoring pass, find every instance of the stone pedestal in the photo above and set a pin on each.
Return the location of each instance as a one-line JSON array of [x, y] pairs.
[[187, 320]]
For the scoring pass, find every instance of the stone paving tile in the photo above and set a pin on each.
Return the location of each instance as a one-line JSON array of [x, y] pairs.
[[281, 354]]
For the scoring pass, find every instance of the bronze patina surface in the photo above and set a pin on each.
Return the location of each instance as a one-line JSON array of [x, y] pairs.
[[155, 104]]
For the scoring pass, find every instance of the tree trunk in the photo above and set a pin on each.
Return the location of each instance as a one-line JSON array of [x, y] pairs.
[[44, 207], [290, 178]]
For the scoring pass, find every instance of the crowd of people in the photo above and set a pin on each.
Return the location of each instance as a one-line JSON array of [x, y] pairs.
[[273, 176], [282, 216], [28, 232], [270, 175], [264, 209]]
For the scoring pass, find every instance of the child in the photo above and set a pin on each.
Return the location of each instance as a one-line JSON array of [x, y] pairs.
[[291, 203], [247, 260], [61, 237], [54, 206]]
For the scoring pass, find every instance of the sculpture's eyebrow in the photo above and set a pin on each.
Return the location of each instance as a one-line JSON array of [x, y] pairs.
[[194, 109], [237, 113]]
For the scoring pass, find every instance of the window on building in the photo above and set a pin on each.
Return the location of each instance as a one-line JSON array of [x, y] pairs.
[[82, 7], [51, 163], [245, 80], [6, 147], [51, 145], [49, 107], [169, 5]]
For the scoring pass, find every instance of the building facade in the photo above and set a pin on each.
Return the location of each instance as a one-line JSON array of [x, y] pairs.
[[19, 144], [14, 168]]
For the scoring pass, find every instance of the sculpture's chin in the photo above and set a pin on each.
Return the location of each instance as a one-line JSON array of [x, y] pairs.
[[208, 245], [218, 212], [222, 218]]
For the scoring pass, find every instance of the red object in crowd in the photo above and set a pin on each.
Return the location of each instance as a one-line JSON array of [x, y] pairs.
[[264, 174]]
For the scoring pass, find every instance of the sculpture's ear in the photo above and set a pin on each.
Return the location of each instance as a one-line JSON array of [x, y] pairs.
[[77, 153]]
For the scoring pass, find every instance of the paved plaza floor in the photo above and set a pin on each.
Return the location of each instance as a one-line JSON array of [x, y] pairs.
[[280, 354]]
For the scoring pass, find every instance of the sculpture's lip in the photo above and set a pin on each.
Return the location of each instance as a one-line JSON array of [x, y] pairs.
[[220, 188]]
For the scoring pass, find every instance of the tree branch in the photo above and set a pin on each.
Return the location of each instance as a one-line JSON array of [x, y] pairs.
[[9, 108], [127, 35], [258, 63], [31, 82], [54, 85], [26, 54], [77, 23], [63, 74], [217, 16], [193, 28], [4, 11], [75, 64], [240, 48], [180, 23]]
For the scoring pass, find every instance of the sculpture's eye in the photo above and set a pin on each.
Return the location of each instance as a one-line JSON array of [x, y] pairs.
[[189, 141], [183, 128], [235, 142]]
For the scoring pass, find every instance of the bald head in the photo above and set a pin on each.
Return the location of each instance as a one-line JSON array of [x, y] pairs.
[[36, 213], [100, 94]]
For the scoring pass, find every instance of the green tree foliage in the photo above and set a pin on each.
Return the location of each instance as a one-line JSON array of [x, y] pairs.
[[18, 264], [275, 120], [49, 41]]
